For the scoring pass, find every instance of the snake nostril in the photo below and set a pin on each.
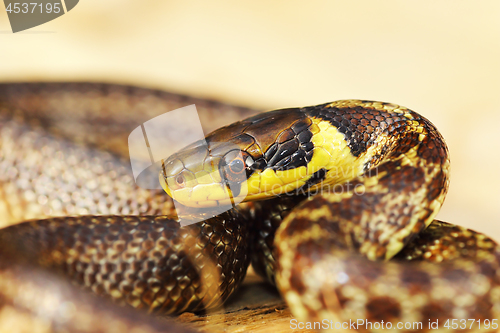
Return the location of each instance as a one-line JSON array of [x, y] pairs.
[[180, 180]]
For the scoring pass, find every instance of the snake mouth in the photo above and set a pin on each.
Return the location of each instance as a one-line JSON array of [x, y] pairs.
[[205, 195]]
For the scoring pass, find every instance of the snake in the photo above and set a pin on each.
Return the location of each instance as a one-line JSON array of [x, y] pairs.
[[337, 210]]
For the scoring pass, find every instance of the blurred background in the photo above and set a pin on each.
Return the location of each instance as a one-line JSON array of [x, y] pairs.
[[441, 59]]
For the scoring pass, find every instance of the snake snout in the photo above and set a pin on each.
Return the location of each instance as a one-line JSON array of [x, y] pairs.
[[205, 175]]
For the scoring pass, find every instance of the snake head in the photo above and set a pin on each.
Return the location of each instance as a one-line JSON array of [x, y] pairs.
[[207, 174], [260, 157]]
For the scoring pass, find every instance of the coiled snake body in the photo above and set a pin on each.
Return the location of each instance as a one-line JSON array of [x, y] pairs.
[[369, 178]]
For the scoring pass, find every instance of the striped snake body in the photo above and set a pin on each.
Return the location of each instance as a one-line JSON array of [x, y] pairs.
[[370, 177]]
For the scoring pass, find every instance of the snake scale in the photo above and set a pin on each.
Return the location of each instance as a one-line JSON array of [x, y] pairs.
[[367, 178]]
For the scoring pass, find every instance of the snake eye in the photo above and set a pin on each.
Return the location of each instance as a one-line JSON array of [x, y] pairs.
[[237, 166], [234, 167]]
